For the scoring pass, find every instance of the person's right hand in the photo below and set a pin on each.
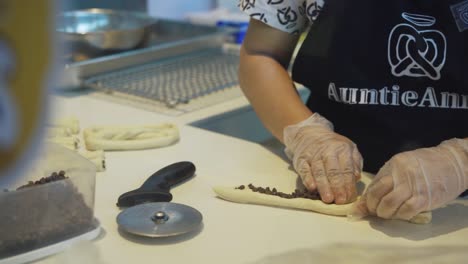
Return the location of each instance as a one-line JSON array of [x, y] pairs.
[[325, 161]]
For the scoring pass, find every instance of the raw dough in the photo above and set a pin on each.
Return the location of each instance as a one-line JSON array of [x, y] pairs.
[[58, 132], [70, 142], [130, 137], [64, 132], [70, 123], [248, 196], [422, 218]]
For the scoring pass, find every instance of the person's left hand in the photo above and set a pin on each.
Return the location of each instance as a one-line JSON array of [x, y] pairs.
[[417, 181]]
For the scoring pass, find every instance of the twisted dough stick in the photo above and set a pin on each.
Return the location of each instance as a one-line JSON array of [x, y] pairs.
[[130, 137], [250, 197], [59, 132], [70, 142], [69, 123]]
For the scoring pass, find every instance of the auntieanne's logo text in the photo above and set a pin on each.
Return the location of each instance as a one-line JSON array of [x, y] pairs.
[[394, 97]]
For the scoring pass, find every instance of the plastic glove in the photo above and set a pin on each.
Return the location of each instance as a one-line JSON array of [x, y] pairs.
[[325, 160], [417, 181]]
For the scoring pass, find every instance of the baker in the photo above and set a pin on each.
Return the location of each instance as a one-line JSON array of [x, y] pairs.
[[389, 95]]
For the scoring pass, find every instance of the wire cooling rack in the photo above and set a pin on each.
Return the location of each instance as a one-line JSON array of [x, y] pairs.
[[175, 85]]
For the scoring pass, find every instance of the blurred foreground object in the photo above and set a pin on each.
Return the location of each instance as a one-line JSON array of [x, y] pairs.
[[26, 64]]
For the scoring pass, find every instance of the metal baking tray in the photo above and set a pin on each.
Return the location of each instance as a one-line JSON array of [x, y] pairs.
[[175, 85], [167, 39]]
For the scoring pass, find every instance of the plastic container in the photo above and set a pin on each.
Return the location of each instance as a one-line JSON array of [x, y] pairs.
[[39, 216], [238, 29]]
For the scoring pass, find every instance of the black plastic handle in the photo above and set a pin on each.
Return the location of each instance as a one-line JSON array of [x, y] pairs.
[[157, 187], [169, 176]]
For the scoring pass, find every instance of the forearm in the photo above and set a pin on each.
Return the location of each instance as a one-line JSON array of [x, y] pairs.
[[270, 90]]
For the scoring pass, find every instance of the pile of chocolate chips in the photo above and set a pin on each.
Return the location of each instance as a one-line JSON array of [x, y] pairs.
[[41, 217], [272, 191], [53, 177]]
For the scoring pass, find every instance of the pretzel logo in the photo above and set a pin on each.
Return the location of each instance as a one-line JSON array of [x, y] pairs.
[[287, 16], [416, 53], [464, 14], [8, 125], [247, 4]]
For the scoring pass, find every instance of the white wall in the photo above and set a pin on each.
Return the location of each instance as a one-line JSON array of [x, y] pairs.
[[176, 9]]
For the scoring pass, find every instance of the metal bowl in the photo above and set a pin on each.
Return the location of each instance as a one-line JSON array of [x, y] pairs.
[[105, 29]]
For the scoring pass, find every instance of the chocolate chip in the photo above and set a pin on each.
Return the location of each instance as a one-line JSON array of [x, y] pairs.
[[273, 191], [53, 177]]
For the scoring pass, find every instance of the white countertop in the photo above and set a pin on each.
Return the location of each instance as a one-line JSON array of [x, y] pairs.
[[231, 233]]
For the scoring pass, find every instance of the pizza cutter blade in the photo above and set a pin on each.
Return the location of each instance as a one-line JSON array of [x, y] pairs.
[[159, 219]]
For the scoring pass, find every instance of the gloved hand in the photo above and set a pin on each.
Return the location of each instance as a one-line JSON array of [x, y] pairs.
[[417, 181], [325, 160]]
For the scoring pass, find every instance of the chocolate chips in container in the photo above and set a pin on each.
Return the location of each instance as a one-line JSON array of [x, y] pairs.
[[54, 206]]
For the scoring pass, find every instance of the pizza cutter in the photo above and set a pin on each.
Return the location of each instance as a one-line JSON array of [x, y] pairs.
[[150, 212]]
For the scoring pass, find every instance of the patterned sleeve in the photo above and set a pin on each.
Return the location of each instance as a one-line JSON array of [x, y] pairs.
[[291, 16]]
